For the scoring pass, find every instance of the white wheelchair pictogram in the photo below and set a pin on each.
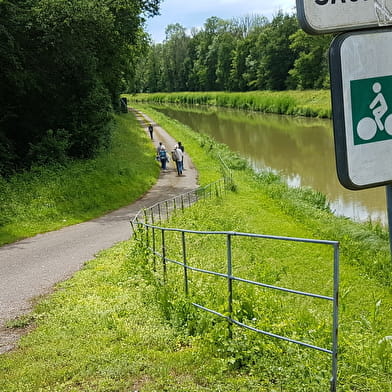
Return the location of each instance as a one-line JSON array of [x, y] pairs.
[[367, 127]]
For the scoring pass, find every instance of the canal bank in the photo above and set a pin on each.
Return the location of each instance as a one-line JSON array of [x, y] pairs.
[[300, 150]]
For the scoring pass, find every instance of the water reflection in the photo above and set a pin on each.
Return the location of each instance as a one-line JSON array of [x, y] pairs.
[[300, 149]]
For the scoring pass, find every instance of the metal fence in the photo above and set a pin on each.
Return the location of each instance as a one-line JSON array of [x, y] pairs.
[[163, 209], [156, 240]]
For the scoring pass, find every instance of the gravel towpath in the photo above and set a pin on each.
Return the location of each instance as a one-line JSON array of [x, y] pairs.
[[30, 268]]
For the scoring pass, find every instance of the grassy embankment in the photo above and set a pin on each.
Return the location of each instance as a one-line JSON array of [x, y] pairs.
[[308, 103], [125, 331], [48, 198]]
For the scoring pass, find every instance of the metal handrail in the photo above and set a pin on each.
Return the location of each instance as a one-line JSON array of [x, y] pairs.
[[230, 278], [163, 209], [145, 221]]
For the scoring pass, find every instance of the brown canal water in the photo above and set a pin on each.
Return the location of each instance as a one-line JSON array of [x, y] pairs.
[[299, 149]]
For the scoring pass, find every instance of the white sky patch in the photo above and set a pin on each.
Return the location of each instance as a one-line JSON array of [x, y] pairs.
[[193, 13]]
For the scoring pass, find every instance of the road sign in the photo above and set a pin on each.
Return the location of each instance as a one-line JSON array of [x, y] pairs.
[[361, 86], [327, 16]]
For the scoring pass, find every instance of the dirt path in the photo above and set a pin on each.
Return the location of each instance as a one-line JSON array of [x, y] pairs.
[[31, 267]]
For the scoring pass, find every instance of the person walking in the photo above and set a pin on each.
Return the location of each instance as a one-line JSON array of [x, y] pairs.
[[181, 147], [178, 157], [151, 130], [159, 147], [161, 153]]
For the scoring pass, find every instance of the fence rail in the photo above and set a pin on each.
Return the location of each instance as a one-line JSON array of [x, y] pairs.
[[155, 238], [163, 209]]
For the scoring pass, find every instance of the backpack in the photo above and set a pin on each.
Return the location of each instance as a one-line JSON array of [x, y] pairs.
[[174, 155], [162, 154]]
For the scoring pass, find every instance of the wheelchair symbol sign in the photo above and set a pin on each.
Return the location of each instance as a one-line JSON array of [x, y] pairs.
[[371, 101]]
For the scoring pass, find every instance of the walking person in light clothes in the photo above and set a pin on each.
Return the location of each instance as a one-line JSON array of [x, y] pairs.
[[181, 147], [178, 157]]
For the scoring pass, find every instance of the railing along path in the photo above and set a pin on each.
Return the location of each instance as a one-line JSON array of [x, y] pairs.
[[155, 237]]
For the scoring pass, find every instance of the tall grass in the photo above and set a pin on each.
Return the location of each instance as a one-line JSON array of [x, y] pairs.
[[47, 198], [308, 103], [365, 306]]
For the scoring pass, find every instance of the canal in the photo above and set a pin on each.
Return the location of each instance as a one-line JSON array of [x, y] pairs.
[[301, 150]]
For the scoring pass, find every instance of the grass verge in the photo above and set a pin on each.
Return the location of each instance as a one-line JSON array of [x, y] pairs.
[[48, 198], [310, 103]]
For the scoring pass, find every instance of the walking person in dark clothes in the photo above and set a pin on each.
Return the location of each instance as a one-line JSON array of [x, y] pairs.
[[151, 130]]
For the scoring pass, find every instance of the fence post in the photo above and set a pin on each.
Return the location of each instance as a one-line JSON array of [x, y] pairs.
[[229, 284], [335, 319], [167, 210], [185, 264], [164, 256], [154, 250], [133, 229], [182, 203], [147, 236], [159, 211]]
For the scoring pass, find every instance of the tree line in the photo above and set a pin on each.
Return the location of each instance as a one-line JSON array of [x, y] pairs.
[[63, 66], [243, 54], [65, 63]]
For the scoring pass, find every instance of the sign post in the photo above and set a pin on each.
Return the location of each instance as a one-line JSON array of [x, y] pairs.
[[389, 204], [361, 88]]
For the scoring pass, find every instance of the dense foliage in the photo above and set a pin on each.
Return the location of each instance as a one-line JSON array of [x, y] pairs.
[[63, 66], [245, 54]]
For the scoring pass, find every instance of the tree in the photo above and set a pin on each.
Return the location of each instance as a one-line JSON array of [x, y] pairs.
[[225, 43], [176, 53], [310, 70], [65, 64], [242, 54], [239, 66], [11, 80], [277, 58]]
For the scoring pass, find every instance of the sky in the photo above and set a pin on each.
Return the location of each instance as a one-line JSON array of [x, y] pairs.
[[193, 13]]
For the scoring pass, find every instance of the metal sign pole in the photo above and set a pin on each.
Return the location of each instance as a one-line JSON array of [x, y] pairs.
[[389, 209]]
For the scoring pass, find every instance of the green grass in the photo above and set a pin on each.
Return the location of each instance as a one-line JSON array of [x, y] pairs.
[[366, 300], [115, 327], [48, 198], [310, 103]]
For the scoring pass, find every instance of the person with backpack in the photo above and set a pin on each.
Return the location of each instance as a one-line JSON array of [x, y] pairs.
[[181, 147], [177, 156], [161, 154]]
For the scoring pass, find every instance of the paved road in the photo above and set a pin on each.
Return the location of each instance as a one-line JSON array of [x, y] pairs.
[[31, 267]]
